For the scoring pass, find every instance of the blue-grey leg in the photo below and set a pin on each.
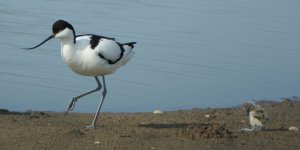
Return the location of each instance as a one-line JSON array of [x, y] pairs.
[[100, 105], [74, 99], [248, 130]]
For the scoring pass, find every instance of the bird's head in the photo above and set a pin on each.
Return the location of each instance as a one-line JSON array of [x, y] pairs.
[[60, 29]]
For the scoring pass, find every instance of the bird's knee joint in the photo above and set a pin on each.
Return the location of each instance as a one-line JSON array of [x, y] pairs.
[[98, 88], [104, 92]]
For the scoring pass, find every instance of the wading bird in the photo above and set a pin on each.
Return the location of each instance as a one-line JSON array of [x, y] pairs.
[[90, 55]]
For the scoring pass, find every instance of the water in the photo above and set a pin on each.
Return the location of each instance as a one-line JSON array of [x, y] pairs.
[[194, 53]]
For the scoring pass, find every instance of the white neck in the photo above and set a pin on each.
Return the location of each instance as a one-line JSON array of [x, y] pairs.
[[67, 49]]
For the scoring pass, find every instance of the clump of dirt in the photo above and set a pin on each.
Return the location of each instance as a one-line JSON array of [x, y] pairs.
[[75, 133], [37, 115], [206, 131]]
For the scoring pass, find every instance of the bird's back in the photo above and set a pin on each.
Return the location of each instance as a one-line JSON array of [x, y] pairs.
[[98, 55]]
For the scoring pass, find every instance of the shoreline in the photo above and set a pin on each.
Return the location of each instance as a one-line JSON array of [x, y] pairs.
[[211, 128], [259, 102]]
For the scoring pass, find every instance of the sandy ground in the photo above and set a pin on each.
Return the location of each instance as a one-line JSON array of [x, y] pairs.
[[182, 129]]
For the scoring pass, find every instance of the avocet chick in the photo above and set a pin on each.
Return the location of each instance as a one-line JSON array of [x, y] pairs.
[[257, 116]]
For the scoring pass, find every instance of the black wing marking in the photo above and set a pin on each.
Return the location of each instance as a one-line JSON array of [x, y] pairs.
[[97, 36], [109, 61], [95, 39], [122, 52], [120, 57], [131, 44]]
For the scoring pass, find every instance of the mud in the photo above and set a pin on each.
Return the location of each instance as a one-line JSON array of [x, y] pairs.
[[182, 129]]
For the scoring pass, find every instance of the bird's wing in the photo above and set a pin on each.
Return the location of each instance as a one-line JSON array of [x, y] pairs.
[[107, 48]]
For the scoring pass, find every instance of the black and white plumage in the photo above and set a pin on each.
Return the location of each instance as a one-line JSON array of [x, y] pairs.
[[90, 55]]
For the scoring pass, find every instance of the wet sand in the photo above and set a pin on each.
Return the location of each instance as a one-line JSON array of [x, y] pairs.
[[182, 129]]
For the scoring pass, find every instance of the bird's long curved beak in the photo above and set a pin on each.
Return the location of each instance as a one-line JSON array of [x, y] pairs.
[[50, 37]]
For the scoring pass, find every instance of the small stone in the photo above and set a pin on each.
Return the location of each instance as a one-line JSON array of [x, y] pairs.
[[97, 142], [207, 116], [157, 111], [293, 128]]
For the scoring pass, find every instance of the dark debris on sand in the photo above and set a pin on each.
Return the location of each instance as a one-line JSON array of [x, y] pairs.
[[207, 131]]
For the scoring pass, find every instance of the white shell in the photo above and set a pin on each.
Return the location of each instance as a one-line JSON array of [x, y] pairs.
[[157, 111], [207, 116], [293, 128]]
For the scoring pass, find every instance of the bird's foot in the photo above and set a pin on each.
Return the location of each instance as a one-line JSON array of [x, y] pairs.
[[90, 126], [247, 130], [71, 104]]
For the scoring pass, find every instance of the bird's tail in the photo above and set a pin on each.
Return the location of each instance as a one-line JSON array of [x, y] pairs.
[[130, 44], [128, 54], [128, 48]]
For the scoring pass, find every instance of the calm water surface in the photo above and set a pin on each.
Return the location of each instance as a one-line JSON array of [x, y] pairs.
[[194, 53]]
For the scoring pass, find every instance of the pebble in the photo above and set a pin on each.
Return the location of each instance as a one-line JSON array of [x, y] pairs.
[[293, 128], [97, 142], [207, 116], [157, 111]]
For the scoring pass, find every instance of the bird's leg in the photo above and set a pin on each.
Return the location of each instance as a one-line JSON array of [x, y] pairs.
[[100, 105], [248, 130], [74, 99]]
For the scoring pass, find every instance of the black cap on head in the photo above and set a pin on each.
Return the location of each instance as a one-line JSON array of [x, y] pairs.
[[60, 25]]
